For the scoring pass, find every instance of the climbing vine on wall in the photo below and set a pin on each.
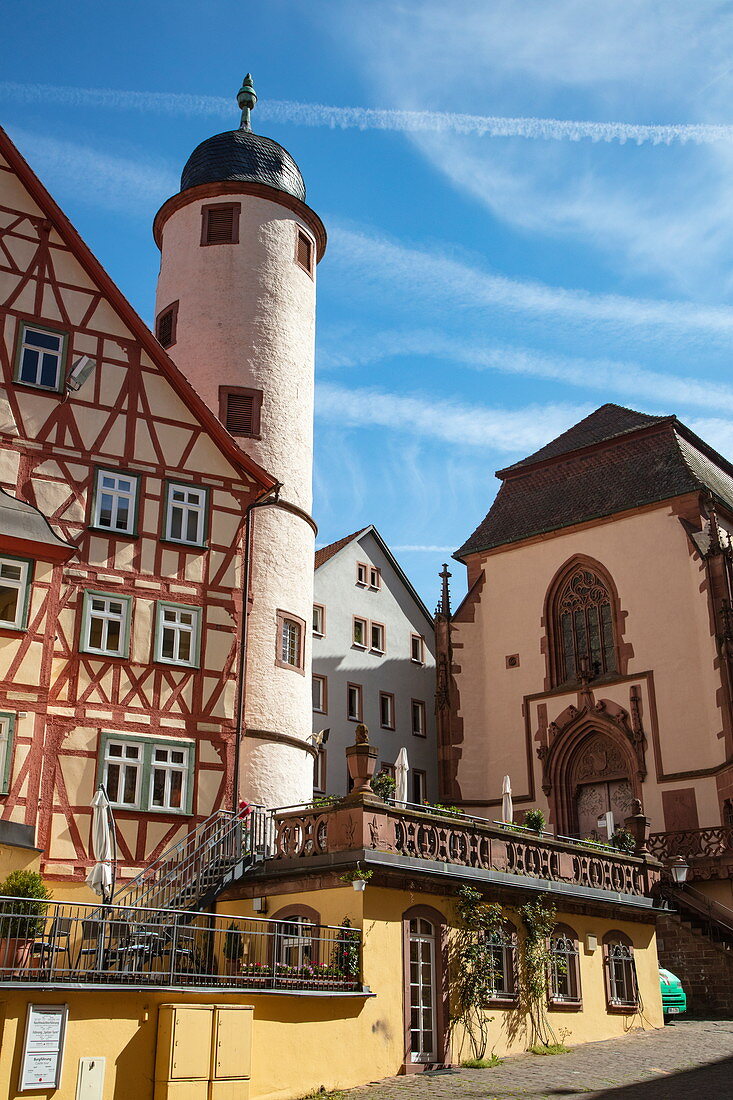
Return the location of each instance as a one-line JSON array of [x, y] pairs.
[[473, 965], [539, 919]]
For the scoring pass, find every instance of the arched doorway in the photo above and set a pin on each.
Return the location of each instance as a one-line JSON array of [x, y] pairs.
[[425, 987], [602, 785]]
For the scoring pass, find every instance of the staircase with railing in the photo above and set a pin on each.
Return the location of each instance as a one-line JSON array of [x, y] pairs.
[[190, 874]]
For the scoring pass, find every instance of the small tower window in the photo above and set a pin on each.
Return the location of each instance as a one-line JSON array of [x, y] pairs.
[[290, 639], [239, 410], [220, 223], [165, 326], [304, 251]]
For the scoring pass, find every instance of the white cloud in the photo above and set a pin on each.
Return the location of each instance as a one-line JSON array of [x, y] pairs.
[[505, 430], [376, 262], [373, 118], [106, 180], [628, 379]]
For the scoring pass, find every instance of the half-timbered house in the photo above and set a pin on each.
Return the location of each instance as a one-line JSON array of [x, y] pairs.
[[122, 517]]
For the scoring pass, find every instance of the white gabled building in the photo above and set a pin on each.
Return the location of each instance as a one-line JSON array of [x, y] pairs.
[[373, 662]]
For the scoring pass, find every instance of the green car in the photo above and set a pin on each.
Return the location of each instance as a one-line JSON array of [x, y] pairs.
[[674, 1000]]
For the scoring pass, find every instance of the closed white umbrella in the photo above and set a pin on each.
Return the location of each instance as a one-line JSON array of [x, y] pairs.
[[507, 807], [401, 769], [101, 876]]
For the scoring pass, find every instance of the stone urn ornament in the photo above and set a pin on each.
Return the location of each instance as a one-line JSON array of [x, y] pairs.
[[361, 758]]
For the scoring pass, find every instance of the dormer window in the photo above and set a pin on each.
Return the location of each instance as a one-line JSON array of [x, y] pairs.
[[220, 223]]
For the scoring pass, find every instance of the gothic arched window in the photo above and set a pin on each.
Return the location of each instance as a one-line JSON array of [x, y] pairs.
[[583, 627]]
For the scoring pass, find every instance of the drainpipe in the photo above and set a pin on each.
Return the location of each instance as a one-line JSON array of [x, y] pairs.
[[271, 497]]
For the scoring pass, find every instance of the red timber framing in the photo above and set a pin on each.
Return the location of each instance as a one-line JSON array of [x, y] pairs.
[[135, 414]]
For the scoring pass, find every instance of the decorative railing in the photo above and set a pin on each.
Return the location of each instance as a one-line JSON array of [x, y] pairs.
[[457, 840], [59, 943], [190, 871], [692, 843]]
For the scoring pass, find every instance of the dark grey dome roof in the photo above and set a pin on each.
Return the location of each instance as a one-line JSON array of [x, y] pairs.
[[242, 155]]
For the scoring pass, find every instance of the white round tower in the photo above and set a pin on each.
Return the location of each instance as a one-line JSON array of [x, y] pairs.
[[235, 307]]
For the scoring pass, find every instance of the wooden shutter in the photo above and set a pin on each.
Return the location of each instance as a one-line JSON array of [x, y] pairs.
[[165, 328], [220, 224], [304, 251], [240, 413]]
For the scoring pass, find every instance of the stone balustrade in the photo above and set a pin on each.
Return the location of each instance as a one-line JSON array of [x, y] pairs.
[[366, 823]]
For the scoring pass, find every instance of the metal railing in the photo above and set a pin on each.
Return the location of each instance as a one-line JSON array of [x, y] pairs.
[[190, 872], [60, 943]]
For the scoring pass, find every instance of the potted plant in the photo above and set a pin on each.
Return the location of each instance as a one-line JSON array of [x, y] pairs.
[[358, 878], [384, 786], [233, 949], [535, 820], [22, 917], [623, 839]]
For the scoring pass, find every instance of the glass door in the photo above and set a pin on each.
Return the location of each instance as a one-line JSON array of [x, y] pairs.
[[423, 1037]]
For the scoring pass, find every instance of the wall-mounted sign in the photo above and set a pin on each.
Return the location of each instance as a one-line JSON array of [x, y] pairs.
[[43, 1047]]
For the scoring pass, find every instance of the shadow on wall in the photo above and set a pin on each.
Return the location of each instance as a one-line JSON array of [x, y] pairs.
[[711, 1080]]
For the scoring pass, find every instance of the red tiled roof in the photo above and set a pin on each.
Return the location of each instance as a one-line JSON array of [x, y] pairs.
[[327, 552], [612, 461]]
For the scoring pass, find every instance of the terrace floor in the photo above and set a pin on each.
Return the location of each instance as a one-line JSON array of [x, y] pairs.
[[684, 1059]]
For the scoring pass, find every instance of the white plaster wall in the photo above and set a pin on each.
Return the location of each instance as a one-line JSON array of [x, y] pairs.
[[335, 657], [246, 317]]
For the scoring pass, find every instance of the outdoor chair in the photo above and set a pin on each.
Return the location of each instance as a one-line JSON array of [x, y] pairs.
[[49, 947]]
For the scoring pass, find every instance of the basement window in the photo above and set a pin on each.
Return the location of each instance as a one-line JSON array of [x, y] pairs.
[[220, 223], [239, 410]]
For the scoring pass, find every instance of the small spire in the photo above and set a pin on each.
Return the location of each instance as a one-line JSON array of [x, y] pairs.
[[444, 605], [246, 98]]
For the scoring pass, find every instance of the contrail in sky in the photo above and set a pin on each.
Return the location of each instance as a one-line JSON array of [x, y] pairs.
[[371, 118]]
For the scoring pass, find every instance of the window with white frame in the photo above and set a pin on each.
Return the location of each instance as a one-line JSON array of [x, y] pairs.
[[115, 502], [418, 786], [319, 620], [353, 702], [177, 634], [15, 576], [417, 648], [7, 726], [40, 357], [290, 643], [105, 627], [319, 694], [386, 710], [147, 775], [418, 717], [185, 514], [319, 772], [360, 632], [168, 777], [375, 577], [123, 764], [377, 638]]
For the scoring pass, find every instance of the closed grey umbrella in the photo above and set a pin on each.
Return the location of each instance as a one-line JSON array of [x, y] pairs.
[[507, 806], [101, 875]]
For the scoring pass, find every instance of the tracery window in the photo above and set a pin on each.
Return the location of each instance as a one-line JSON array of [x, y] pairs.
[[583, 626], [564, 967], [502, 945], [622, 990]]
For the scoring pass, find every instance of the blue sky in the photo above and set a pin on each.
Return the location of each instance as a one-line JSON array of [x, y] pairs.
[[529, 206]]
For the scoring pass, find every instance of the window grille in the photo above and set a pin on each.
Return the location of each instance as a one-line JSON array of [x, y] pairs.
[[584, 627]]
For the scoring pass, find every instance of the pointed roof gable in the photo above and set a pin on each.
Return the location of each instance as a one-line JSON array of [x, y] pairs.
[[607, 422], [614, 460], [131, 319], [327, 552]]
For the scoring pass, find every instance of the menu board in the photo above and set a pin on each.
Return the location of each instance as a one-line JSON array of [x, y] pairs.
[[43, 1049]]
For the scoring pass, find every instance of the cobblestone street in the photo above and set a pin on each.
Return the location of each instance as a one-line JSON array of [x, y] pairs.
[[689, 1058]]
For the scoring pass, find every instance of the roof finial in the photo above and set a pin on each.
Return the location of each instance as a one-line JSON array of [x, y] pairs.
[[246, 98], [444, 605]]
